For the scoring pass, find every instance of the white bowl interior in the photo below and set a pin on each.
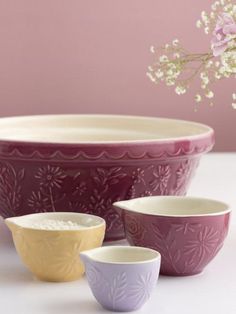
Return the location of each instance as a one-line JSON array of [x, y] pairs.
[[96, 128], [174, 206], [33, 220], [122, 254]]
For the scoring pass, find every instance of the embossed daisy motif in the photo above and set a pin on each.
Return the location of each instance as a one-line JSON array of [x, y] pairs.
[[50, 176], [142, 288], [38, 202], [206, 242], [68, 261], [161, 177]]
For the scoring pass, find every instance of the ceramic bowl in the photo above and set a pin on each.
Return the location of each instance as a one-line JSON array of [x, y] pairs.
[[84, 163], [53, 255], [122, 278], [187, 231]]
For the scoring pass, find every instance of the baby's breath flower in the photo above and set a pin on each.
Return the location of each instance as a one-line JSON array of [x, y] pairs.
[[175, 42], [209, 94], [150, 76], [176, 55], [163, 58], [159, 73], [198, 98], [228, 60], [217, 75], [176, 67], [199, 23], [180, 90], [169, 81], [152, 49]]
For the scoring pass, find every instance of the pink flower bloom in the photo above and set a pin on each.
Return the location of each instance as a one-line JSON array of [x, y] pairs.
[[222, 35]]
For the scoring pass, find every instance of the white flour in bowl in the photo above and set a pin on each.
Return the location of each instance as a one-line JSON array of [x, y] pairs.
[[52, 224]]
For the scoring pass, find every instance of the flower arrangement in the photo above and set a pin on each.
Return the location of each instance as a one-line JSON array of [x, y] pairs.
[[175, 66]]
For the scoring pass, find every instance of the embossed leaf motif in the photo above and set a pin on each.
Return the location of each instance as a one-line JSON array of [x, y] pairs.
[[95, 278], [107, 177], [10, 189], [117, 288], [161, 176], [186, 227], [166, 246]]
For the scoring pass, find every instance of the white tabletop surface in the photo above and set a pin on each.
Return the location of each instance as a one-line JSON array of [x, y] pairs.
[[213, 291]]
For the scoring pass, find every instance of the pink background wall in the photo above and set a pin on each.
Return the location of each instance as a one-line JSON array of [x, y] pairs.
[[90, 56]]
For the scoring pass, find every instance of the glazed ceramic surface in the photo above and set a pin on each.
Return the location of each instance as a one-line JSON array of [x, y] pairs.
[[188, 232], [122, 278], [53, 255], [84, 163]]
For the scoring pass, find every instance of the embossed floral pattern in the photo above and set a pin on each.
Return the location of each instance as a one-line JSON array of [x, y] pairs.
[[87, 189], [166, 245], [121, 290], [206, 243], [10, 189], [69, 262], [161, 176], [50, 182], [186, 227], [141, 290], [38, 202], [50, 176], [117, 289], [185, 247], [134, 229]]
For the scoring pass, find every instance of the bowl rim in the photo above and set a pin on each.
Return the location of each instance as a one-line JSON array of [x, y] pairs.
[[205, 134], [98, 218], [171, 197], [157, 255]]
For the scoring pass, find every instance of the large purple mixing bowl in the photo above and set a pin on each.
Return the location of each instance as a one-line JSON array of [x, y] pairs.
[[84, 163]]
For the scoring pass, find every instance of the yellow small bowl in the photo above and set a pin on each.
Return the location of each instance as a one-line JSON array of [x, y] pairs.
[[53, 255]]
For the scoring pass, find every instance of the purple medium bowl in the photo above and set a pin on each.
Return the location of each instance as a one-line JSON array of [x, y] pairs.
[[121, 278], [84, 163], [188, 232]]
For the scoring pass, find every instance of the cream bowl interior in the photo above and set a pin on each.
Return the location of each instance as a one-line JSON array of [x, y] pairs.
[[122, 254], [97, 128], [174, 206], [86, 220]]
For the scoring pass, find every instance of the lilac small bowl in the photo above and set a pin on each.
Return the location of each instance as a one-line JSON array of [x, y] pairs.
[[187, 231], [121, 278]]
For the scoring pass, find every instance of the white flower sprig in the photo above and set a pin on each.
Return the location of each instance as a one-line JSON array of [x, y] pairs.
[[177, 67]]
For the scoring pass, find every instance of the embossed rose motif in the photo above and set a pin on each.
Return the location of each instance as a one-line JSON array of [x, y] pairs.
[[161, 176], [50, 176], [134, 228]]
